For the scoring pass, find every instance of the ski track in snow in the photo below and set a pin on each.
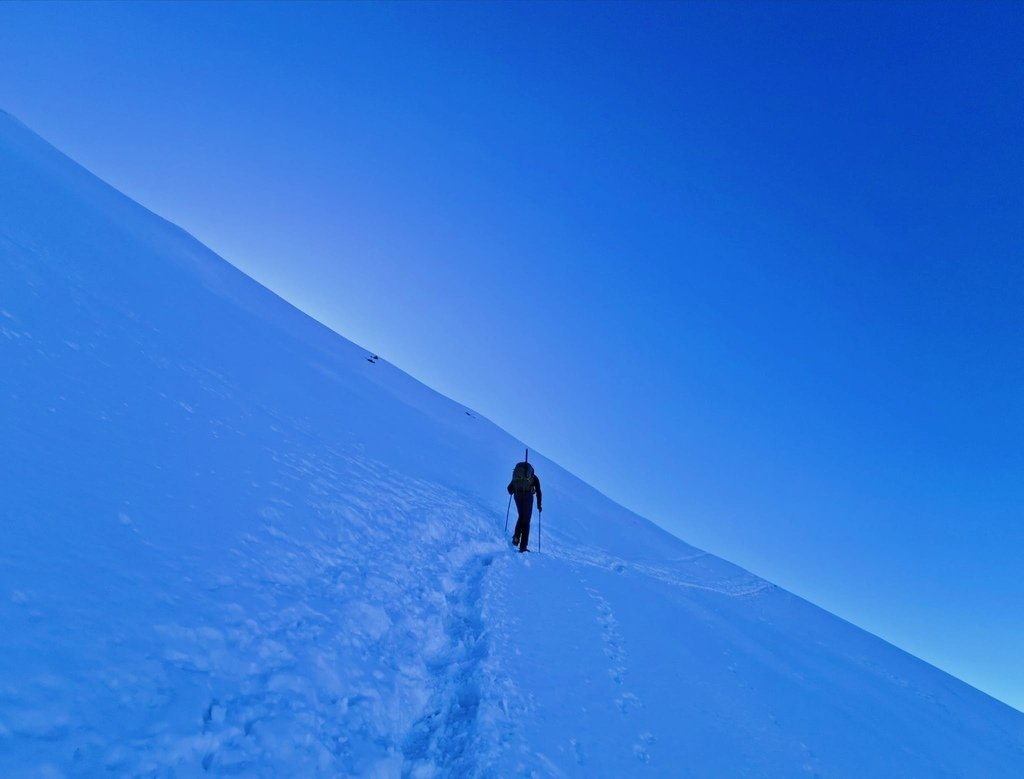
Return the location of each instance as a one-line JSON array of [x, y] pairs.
[[341, 651], [682, 573], [444, 738], [615, 650]]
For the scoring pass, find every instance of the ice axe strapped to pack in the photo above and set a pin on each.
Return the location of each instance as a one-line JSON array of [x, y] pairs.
[[522, 476]]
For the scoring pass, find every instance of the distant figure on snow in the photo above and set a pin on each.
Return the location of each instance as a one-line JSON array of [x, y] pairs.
[[522, 487]]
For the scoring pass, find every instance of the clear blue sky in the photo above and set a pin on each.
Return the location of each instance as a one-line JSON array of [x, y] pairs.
[[753, 270]]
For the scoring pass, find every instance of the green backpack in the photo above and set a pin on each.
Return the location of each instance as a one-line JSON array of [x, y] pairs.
[[522, 478]]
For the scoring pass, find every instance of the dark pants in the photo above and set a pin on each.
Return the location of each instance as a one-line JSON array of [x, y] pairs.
[[524, 505]]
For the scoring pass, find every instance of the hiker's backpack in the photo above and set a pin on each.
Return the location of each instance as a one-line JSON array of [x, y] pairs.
[[522, 478]]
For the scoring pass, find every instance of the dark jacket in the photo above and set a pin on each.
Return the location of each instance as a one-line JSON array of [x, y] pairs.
[[535, 488]]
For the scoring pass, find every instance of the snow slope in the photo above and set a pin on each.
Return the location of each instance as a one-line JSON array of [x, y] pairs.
[[231, 544]]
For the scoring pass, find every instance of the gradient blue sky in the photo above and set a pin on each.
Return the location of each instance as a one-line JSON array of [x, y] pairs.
[[753, 270]]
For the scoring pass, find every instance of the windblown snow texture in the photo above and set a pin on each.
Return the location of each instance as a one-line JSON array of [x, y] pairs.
[[233, 542]]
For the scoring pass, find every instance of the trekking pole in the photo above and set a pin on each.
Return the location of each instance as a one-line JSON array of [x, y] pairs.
[[506, 512], [540, 525]]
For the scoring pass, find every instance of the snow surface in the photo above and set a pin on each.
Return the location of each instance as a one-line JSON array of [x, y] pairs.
[[232, 544]]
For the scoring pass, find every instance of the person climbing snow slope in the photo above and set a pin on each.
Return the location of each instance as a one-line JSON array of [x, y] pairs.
[[522, 487]]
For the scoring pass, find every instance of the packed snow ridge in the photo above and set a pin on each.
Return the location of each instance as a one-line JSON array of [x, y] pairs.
[[235, 544]]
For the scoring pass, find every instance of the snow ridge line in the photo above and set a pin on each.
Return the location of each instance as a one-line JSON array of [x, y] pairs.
[[444, 740]]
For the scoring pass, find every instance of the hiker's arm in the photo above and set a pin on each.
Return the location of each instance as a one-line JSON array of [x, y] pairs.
[[536, 486], [510, 488]]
